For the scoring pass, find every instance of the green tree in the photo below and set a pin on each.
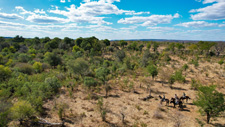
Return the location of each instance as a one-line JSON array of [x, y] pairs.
[[38, 67], [22, 110], [2, 39], [79, 67], [90, 82], [106, 42], [102, 74], [76, 48], [52, 58], [179, 46], [36, 41], [123, 43], [205, 46], [133, 46], [53, 44], [120, 55], [54, 84], [24, 58], [152, 70], [18, 39], [178, 76], [155, 46], [5, 73], [140, 47], [210, 101], [149, 45], [45, 40], [78, 41], [68, 40]]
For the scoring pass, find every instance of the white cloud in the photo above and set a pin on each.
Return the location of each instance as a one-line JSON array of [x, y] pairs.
[[3, 23], [36, 16], [129, 28], [135, 13], [23, 11], [62, 1], [93, 11], [197, 24], [150, 20], [104, 1], [10, 16], [45, 19], [216, 11], [39, 11], [161, 28]]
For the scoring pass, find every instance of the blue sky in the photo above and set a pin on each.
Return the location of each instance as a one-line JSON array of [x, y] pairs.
[[114, 19]]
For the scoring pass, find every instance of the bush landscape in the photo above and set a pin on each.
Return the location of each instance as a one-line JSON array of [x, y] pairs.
[[90, 82]]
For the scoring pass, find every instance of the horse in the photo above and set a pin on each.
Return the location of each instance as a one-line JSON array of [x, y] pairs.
[[180, 103], [166, 100], [186, 97]]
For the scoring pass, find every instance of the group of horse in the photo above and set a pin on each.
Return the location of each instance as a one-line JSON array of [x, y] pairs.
[[175, 102]]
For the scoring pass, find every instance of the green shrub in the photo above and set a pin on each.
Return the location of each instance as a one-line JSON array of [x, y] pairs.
[[53, 82], [22, 110], [221, 62], [79, 67], [37, 67], [152, 70], [76, 48], [52, 58], [210, 101], [179, 77], [90, 82], [120, 55], [5, 73], [25, 68], [24, 58], [185, 67]]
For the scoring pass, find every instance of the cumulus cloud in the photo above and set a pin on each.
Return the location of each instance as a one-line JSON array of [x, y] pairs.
[[216, 11], [3, 23], [197, 24], [45, 19], [150, 20], [161, 28], [37, 16], [23, 11], [62, 1], [10, 16], [93, 11], [39, 11], [104, 1]]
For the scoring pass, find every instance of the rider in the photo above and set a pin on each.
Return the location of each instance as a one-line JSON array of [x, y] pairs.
[[184, 95], [176, 98], [163, 99]]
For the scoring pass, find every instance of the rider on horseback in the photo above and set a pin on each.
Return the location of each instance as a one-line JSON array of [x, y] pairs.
[[163, 99], [184, 95], [176, 99]]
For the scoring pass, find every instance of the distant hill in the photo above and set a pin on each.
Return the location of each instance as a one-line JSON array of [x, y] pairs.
[[165, 40], [158, 40]]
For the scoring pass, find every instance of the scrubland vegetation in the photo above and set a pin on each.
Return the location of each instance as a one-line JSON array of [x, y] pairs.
[[92, 82]]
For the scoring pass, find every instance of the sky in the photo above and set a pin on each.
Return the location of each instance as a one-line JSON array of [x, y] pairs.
[[114, 19]]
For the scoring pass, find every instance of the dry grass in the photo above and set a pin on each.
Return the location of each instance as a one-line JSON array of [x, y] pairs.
[[137, 112]]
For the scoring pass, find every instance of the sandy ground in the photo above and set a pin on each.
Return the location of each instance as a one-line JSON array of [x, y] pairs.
[[82, 112]]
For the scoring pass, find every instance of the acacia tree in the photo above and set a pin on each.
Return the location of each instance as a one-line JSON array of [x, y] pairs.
[[210, 101], [123, 43], [152, 70], [22, 110], [102, 74], [79, 67]]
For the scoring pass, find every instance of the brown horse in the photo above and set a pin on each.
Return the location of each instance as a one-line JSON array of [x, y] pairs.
[[186, 97], [180, 103], [166, 100]]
